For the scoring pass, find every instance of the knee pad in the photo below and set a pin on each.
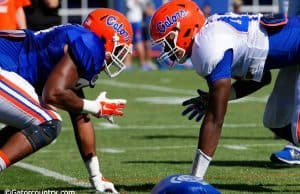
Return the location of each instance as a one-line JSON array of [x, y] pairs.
[[43, 134], [6, 133]]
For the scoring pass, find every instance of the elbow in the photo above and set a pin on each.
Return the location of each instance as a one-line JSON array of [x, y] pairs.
[[52, 97]]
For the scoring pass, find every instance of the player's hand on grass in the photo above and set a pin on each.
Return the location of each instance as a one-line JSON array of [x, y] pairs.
[[196, 106], [103, 185]]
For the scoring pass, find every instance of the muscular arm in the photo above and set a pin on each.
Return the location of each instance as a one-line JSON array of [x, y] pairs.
[[84, 133], [58, 88], [211, 127], [246, 87]]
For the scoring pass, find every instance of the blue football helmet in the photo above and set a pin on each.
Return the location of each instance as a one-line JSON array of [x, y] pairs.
[[183, 184]]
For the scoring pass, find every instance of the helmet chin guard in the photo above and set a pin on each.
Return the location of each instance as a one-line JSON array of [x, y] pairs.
[[173, 54], [116, 64]]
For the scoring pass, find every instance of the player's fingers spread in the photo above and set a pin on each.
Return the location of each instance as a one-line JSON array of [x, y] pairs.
[[115, 106], [111, 106], [201, 92], [193, 114], [187, 102], [187, 110], [199, 117], [118, 112], [121, 105]]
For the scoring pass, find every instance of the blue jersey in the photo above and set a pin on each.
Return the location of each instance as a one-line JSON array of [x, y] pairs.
[[35, 56]]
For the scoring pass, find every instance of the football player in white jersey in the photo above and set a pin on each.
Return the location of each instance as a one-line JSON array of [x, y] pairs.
[[243, 47]]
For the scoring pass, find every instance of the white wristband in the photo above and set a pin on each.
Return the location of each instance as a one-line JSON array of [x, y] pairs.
[[90, 106], [200, 164], [93, 166]]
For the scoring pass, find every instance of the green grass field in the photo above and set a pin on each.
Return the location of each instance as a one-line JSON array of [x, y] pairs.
[[153, 141]]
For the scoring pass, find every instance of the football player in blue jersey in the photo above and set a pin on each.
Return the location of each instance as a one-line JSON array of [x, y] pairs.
[[242, 47], [56, 64]]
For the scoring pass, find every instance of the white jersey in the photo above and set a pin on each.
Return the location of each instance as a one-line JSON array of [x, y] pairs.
[[241, 33]]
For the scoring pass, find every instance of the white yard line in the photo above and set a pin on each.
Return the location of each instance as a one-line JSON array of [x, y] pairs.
[[235, 147], [152, 148], [119, 150], [262, 99], [148, 87], [105, 126], [176, 100], [53, 174], [111, 150], [170, 90]]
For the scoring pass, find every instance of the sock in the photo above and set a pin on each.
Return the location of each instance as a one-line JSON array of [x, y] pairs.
[[292, 146], [4, 161], [93, 166], [200, 164]]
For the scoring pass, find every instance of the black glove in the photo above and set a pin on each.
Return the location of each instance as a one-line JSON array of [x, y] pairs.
[[197, 105]]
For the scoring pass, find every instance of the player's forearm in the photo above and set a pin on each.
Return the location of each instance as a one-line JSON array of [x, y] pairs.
[[64, 99], [211, 127], [209, 137], [85, 139], [84, 134], [208, 141]]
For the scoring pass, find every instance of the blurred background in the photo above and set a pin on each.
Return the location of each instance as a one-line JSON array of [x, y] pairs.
[[42, 14]]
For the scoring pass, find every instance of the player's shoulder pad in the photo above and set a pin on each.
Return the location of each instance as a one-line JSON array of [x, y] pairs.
[[87, 51], [210, 45], [92, 43], [85, 44]]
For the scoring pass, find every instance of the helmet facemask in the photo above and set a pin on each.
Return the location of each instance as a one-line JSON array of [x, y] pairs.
[[116, 65], [172, 54]]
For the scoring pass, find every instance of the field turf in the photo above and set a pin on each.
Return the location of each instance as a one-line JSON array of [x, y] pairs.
[[153, 141]]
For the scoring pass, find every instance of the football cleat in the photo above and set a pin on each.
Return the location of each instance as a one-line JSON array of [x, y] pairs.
[[102, 185], [290, 154]]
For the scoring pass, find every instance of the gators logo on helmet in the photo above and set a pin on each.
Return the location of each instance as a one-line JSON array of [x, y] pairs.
[[174, 25], [116, 32]]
